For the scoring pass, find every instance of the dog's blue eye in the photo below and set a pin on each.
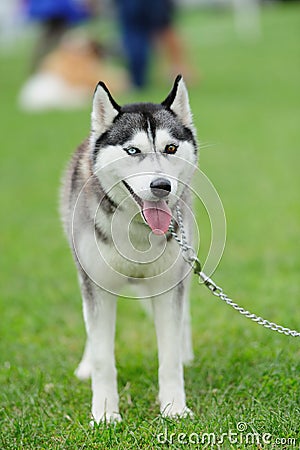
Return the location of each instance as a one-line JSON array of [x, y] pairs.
[[171, 149], [132, 151]]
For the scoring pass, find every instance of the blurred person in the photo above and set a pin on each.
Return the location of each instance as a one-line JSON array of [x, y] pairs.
[[11, 23], [247, 18], [55, 17], [143, 23]]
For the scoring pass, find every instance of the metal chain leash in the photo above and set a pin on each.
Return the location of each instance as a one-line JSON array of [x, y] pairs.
[[192, 259]]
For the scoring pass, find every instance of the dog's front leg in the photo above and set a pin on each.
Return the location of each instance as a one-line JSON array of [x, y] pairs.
[[168, 316], [100, 313]]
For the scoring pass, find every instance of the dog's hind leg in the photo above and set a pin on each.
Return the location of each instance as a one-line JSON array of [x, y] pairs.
[[84, 369], [187, 344]]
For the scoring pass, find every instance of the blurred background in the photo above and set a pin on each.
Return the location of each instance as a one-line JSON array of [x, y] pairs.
[[70, 44], [241, 63]]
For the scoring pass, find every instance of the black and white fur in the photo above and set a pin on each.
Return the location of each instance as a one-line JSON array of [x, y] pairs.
[[103, 190]]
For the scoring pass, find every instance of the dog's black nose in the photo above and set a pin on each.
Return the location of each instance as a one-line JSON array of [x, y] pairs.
[[161, 187]]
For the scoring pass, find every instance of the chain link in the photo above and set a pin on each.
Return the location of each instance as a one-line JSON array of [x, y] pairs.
[[190, 256]]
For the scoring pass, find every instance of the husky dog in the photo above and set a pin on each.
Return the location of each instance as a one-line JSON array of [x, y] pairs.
[[118, 198]]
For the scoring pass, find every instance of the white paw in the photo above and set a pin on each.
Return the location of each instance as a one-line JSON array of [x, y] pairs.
[[110, 418], [187, 353], [176, 411], [188, 358], [83, 371]]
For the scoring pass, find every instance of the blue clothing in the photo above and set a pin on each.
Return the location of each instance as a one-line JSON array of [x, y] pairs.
[[71, 11], [140, 20], [149, 16]]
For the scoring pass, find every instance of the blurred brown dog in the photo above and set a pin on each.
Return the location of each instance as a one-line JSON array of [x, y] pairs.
[[67, 76]]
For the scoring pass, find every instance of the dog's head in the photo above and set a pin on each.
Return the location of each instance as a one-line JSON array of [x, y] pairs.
[[146, 151]]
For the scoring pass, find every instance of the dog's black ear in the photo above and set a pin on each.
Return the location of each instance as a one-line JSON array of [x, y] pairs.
[[105, 109], [178, 102]]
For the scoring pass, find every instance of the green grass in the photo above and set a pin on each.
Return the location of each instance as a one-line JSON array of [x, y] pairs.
[[247, 106]]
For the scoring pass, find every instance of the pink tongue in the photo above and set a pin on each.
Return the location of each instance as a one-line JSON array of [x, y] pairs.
[[158, 216]]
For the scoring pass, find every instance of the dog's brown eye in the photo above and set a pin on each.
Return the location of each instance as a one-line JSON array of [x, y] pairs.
[[170, 149]]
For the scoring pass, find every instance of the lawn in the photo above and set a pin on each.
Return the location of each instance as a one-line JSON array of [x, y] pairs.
[[245, 379]]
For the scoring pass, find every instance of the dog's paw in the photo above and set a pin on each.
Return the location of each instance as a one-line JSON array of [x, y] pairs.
[[176, 412], [187, 353], [188, 359], [108, 418], [83, 371]]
